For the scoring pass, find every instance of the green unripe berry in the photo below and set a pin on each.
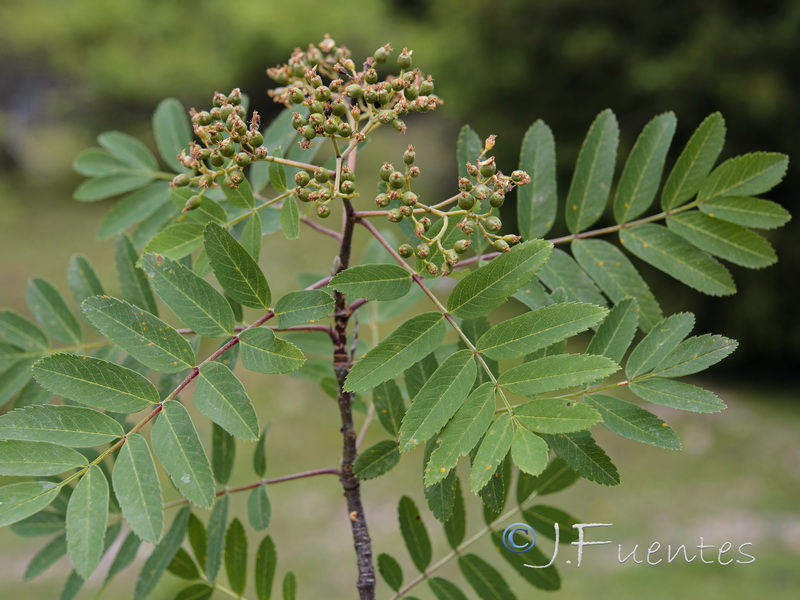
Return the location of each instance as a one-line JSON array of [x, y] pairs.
[[370, 96], [354, 90], [316, 119], [404, 59], [309, 132], [409, 156], [205, 153], [426, 87], [481, 192], [371, 76], [219, 99], [255, 139], [207, 180], [384, 97], [347, 187], [396, 180], [192, 203], [462, 246], [298, 121], [492, 224], [382, 200], [500, 245], [322, 93], [409, 199], [315, 81], [235, 97], [216, 115], [511, 238], [423, 250], [451, 257], [322, 175], [406, 211], [468, 227], [432, 268], [411, 93], [399, 125], [242, 159], [295, 95], [386, 116], [517, 176], [385, 171], [488, 169], [394, 215], [203, 118], [316, 107], [330, 126], [472, 170], [261, 152], [465, 201], [227, 149], [181, 180], [497, 199], [216, 159], [345, 130], [398, 84], [302, 178], [464, 184], [303, 193], [324, 195], [347, 174], [237, 177], [241, 111], [323, 211], [426, 223], [382, 54], [413, 172], [405, 250], [339, 108]]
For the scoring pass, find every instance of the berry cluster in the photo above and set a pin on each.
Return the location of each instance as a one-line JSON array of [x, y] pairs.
[[321, 188], [344, 103]]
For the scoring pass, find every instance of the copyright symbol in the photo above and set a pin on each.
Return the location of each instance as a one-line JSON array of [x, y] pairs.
[[511, 543]]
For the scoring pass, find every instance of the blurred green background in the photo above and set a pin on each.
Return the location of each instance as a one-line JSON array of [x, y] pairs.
[[73, 69]]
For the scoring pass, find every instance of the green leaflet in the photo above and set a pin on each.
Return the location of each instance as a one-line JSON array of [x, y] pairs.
[[494, 493], [222, 398], [259, 509], [633, 422], [746, 175], [95, 382], [127, 149], [455, 528], [410, 342], [544, 579], [462, 433], [87, 513], [49, 308], [196, 532], [677, 394], [695, 354], [537, 201], [183, 566], [42, 523], [20, 332], [488, 287], [290, 217], [667, 251], [240, 196], [561, 271], [177, 446], [289, 587], [641, 176], [264, 352], [82, 278], [414, 533], [373, 282], [194, 300], [438, 400], [389, 406], [172, 132], [728, 241], [444, 590], [133, 208], [32, 395], [206, 212], [750, 212], [164, 552], [556, 415], [493, 449], [96, 162], [65, 425], [556, 477], [591, 182], [215, 544], [660, 341], [252, 232], [14, 378], [21, 457], [100, 188], [468, 148], [237, 272], [260, 454], [616, 332], [377, 460], [266, 561], [46, 557], [133, 282], [581, 452], [555, 373], [236, 556], [141, 334], [223, 453], [528, 451], [418, 373], [137, 489], [484, 578], [617, 277], [538, 329], [695, 162], [305, 306], [441, 496], [534, 295], [390, 570], [197, 591], [176, 241], [543, 519], [125, 555], [21, 500]]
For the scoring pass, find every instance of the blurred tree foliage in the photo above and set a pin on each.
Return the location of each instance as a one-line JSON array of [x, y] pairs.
[[94, 64]]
